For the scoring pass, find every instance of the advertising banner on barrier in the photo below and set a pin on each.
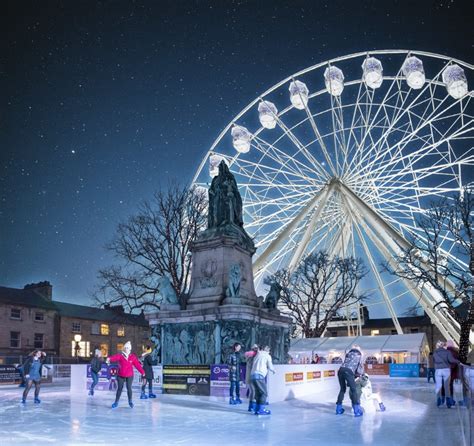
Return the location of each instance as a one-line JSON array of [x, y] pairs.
[[220, 384], [9, 374], [187, 379], [108, 378], [157, 380], [404, 370], [377, 369]]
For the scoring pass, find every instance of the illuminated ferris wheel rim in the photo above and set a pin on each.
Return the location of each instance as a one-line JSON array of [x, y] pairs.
[[322, 91], [377, 197]]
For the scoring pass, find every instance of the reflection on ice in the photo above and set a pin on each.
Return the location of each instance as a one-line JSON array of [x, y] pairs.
[[411, 418]]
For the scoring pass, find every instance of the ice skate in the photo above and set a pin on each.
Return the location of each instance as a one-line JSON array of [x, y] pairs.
[[382, 407], [23, 401], [339, 409], [232, 401], [238, 401], [114, 405], [252, 406], [91, 392], [130, 404], [449, 402], [37, 401], [151, 395], [143, 396], [260, 410], [358, 412]]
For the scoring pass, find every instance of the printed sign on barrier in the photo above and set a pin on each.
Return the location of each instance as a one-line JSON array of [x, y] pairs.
[[294, 377], [404, 370], [329, 373], [313, 375], [220, 384], [187, 379]]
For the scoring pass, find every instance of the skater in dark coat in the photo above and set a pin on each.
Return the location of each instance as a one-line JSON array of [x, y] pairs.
[[349, 370], [32, 369], [96, 365], [149, 376], [234, 374]]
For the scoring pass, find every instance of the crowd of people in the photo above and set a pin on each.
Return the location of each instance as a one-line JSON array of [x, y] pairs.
[[442, 367]]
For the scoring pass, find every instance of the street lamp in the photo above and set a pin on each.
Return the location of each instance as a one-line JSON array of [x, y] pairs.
[[77, 348]]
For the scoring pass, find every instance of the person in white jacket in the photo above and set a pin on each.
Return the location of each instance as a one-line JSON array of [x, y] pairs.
[[365, 386], [260, 367]]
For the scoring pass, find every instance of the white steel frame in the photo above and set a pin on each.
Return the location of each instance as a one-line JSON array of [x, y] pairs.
[[352, 173]]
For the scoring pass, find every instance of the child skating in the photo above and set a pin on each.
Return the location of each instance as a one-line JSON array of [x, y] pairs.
[[126, 361], [96, 365], [364, 389], [149, 376]]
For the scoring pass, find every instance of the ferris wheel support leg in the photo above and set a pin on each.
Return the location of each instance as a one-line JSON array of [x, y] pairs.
[[301, 248], [261, 261], [443, 321]]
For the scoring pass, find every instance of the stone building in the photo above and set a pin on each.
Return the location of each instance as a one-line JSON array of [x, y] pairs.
[[30, 319], [107, 329]]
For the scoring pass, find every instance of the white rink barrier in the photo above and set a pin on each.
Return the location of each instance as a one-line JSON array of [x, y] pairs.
[[299, 380]]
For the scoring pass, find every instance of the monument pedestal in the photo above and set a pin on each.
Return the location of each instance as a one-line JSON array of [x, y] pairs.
[[206, 336]]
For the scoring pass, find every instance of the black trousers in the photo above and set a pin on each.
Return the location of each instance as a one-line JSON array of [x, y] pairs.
[[150, 385], [261, 393], [346, 378], [121, 381], [29, 385]]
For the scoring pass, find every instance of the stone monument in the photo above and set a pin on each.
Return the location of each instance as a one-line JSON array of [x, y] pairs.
[[222, 307]]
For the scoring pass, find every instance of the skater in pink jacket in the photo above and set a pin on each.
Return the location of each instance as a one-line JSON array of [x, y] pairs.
[[126, 361]]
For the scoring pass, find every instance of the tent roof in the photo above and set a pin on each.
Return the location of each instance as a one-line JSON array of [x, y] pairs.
[[405, 343], [369, 344]]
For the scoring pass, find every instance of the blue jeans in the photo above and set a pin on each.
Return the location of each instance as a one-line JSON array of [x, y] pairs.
[[235, 387], [95, 379]]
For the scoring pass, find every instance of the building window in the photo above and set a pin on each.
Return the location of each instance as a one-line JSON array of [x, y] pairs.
[[15, 339], [374, 332], [76, 327], [39, 337], [104, 348], [83, 351], [119, 347], [121, 331], [15, 313], [104, 329], [39, 316], [95, 329]]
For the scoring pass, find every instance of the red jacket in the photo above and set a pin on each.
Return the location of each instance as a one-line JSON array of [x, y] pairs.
[[126, 364]]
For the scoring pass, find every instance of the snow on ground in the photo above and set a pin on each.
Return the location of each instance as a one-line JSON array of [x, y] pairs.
[[411, 418]]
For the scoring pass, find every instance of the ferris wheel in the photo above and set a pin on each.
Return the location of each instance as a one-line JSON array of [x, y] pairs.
[[345, 156]]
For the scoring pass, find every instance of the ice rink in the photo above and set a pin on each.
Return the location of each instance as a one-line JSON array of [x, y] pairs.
[[411, 419]]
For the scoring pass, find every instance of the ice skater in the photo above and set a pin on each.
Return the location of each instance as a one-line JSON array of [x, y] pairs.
[[350, 368], [250, 356], [149, 376], [234, 374], [32, 369], [443, 360], [364, 390], [126, 361], [261, 365], [96, 365]]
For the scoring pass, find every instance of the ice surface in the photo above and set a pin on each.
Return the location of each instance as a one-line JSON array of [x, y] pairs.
[[411, 419]]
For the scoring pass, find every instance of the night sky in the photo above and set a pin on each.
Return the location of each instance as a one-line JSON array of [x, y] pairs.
[[101, 102]]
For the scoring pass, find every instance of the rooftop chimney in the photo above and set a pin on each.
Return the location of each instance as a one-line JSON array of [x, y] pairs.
[[44, 289]]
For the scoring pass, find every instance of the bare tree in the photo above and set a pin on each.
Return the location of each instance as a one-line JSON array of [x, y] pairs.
[[150, 245], [425, 262], [313, 293]]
